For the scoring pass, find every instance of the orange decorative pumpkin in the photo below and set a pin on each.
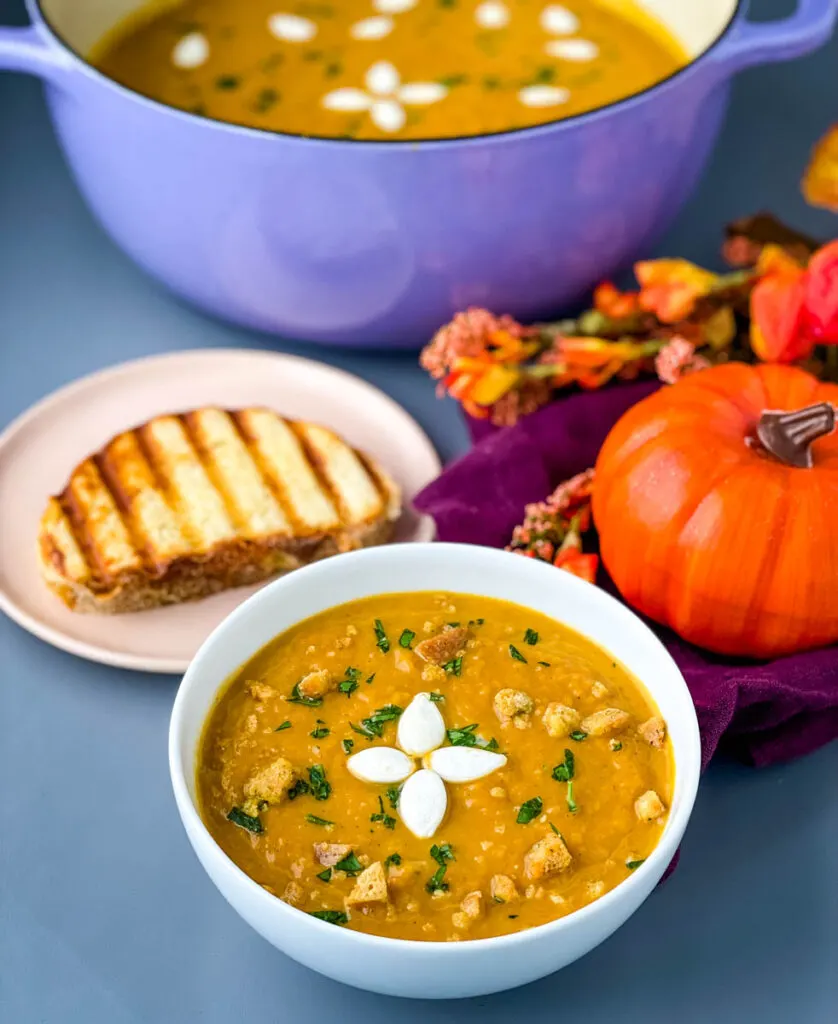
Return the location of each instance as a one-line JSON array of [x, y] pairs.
[[716, 502]]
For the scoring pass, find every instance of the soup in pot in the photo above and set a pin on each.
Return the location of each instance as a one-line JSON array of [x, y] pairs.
[[389, 69], [435, 767]]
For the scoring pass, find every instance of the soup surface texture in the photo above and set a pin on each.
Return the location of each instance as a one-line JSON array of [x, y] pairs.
[[385, 69], [435, 767]]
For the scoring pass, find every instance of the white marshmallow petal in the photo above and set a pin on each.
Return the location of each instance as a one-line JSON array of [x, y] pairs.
[[421, 727], [191, 51], [394, 6], [543, 95], [347, 99], [492, 14], [380, 764], [291, 28], [387, 115], [372, 28], [558, 20], [382, 78], [422, 93], [464, 764], [572, 49], [423, 803]]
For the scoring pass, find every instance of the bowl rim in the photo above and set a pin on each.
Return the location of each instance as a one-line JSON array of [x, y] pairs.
[[687, 760], [389, 145]]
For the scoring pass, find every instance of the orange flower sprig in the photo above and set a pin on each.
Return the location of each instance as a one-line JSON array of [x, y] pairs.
[[552, 529]]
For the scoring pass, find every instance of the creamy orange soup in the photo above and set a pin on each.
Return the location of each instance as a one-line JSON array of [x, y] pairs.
[[435, 767], [383, 69]]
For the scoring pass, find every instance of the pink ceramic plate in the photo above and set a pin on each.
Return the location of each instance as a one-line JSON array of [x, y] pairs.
[[40, 449]]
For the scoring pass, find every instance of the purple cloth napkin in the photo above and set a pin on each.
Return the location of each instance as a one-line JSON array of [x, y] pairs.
[[762, 711]]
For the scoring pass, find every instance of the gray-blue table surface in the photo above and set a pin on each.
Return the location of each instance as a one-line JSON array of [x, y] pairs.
[[105, 914]]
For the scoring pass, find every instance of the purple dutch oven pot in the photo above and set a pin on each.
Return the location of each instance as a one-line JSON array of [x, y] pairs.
[[378, 243]]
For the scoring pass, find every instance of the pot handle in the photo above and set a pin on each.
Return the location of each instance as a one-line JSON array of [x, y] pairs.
[[748, 42], [26, 49]]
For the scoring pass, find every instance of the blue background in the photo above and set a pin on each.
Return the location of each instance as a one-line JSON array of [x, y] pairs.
[[106, 916]]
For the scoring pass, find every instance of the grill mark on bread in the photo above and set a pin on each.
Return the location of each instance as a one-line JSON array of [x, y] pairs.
[[315, 461]]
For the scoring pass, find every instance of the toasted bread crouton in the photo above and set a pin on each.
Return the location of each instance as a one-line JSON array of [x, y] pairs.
[[370, 887], [316, 684], [293, 894], [649, 806], [653, 731], [329, 854], [260, 691], [503, 889], [605, 722], [443, 647], [599, 690], [513, 706], [473, 905], [433, 674], [269, 785], [547, 857], [560, 720]]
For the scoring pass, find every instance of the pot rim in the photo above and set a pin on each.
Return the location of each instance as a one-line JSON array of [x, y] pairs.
[[40, 19], [687, 758]]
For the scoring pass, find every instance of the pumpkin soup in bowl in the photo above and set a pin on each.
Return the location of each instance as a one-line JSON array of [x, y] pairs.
[[435, 766], [389, 69]]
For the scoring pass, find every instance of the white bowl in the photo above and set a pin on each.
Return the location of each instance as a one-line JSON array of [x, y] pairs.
[[434, 970]]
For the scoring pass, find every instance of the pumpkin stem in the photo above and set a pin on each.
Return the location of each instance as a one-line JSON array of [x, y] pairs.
[[788, 435]]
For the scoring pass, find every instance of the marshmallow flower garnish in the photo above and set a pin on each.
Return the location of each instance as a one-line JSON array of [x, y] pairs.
[[421, 733]]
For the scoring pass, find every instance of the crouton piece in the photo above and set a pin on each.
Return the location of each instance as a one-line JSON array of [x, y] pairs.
[[271, 784], [472, 905], [603, 723], [370, 887], [560, 720], [513, 706], [599, 690], [260, 691], [547, 857], [460, 920], [503, 889], [433, 674], [316, 684], [329, 854], [653, 731], [293, 894], [649, 806], [443, 647], [595, 889]]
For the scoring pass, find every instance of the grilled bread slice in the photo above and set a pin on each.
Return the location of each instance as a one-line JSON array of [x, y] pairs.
[[187, 505]]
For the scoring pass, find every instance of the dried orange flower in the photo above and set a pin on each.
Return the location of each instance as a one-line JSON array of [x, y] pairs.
[[678, 358], [670, 288], [820, 182]]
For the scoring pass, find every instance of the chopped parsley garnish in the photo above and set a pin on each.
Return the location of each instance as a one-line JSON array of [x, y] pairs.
[[300, 788], [578, 735], [374, 725], [318, 732], [350, 864], [572, 806], [543, 75], [227, 82], [370, 678], [453, 625], [616, 745], [285, 725], [394, 859], [347, 746], [348, 686], [441, 854], [516, 654], [297, 698], [553, 827], [330, 916], [407, 638], [393, 794], [465, 737], [529, 810], [312, 819], [512, 917], [245, 821], [544, 664], [450, 81], [634, 864], [531, 637], [381, 641], [436, 697], [266, 99], [320, 788], [454, 667], [476, 622], [325, 876], [564, 772], [382, 817]]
